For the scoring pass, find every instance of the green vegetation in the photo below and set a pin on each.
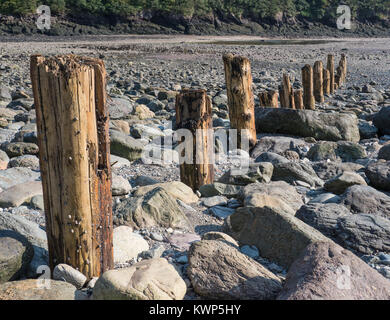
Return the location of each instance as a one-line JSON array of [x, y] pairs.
[[258, 10]]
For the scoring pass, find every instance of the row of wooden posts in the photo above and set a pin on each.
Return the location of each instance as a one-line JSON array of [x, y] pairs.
[[72, 123], [316, 82]]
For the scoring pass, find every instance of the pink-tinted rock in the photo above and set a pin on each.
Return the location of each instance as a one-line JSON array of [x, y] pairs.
[[326, 271], [182, 241]]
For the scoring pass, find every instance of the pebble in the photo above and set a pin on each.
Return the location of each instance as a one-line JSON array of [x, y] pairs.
[[157, 236]]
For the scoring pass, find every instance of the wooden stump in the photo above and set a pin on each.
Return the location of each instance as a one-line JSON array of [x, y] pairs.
[[273, 98], [326, 76], [307, 82], [318, 81], [287, 93], [283, 101], [268, 99], [338, 77], [240, 97], [193, 112], [298, 99], [74, 151], [263, 98], [341, 71], [330, 67]]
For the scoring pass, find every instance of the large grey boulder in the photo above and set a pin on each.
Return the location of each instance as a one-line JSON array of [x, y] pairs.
[[326, 271], [279, 236], [293, 171], [152, 279], [256, 194], [382, 121], [343, 181], [379, 174], [362, 233], [33, 233], [327, 170], [365, 199], [155, 208], [384, 152], [15, 255], [308, 123], [344, 150], [275, 144], [218, 270]]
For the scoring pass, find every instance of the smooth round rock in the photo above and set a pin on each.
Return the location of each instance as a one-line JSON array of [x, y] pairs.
[[15, 255]]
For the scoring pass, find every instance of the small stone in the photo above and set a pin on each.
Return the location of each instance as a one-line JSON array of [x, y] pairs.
[[157, 237], [214, 201], [221, 212]]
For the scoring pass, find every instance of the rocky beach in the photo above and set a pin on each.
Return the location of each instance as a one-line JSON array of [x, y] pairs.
[[313, 208]]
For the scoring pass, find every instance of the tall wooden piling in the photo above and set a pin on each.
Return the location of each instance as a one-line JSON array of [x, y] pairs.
[[326, 78], [341, 71], [193, 112], [307, 83], [343, 63], [287, 92], [330, 67], [72, 123], [241, 103], [318, 82]]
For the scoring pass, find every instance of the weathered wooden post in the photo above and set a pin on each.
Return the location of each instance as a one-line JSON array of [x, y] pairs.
[[240, 97], [338, 77], [263, 98], [343, 63], [318, 81], [326, 78], [288, 97], [268, 99], [282, 98], [298, 99], [307, 83], [74, 151], [273, 98], [330, 67], [193, 112], [341, 71]]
